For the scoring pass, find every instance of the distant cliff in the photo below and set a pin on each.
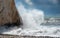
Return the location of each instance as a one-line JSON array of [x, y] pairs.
[[8, 13]]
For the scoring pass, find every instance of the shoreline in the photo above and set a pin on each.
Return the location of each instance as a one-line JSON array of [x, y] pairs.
[[18, 36]]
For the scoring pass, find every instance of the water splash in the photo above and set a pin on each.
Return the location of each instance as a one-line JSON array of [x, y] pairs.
[[32, 19]]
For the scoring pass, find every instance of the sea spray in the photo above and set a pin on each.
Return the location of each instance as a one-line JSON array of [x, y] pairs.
[[31, 21]]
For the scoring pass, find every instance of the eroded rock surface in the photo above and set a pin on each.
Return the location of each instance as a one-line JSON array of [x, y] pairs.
[[8, 13]]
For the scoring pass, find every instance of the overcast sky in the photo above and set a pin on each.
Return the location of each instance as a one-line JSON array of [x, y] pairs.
[[51, 8]]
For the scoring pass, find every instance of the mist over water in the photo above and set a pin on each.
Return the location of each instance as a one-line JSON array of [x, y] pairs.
[[32, 24]]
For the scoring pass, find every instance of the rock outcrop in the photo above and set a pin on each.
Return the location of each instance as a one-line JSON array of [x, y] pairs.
[[8, 13]]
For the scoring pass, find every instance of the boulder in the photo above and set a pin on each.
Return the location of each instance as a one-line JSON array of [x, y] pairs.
[[9, 14]]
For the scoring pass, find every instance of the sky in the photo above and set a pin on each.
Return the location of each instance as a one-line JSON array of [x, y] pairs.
[[51, 8]]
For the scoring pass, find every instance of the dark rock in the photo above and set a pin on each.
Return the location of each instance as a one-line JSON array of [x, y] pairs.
[[9, 14]]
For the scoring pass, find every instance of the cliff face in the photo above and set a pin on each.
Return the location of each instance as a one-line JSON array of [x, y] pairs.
[[8, 13]]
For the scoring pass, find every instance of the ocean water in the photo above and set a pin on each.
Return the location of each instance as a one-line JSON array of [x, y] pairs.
[[33, 26], [44, 30]]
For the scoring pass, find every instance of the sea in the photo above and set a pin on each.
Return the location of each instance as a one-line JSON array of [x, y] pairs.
[[34, 25]]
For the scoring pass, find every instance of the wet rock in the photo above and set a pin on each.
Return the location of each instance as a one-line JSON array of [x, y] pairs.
[[9, 14]]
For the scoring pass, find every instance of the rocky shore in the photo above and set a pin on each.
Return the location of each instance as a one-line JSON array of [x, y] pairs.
[[16, 36]]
